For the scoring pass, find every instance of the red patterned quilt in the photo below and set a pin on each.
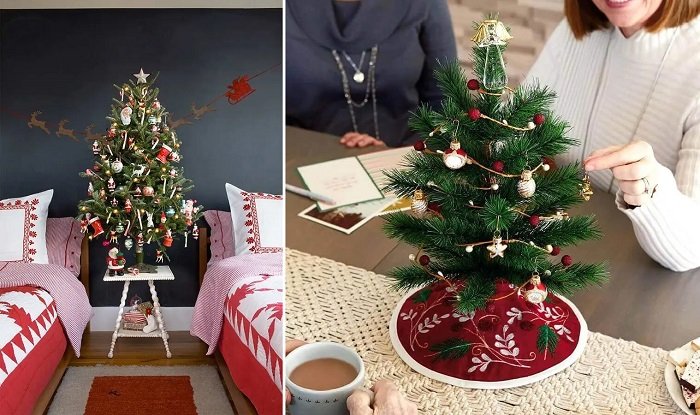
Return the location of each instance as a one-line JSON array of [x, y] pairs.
[[239, 308], [31, 345]]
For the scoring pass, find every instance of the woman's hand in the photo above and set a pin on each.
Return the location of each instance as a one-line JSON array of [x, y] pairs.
[[353, 139], [634, 167], [387, 401], [288, 347]]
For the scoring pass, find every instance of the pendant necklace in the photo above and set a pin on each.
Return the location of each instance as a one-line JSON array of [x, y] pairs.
[[371, 89], [359, 76]]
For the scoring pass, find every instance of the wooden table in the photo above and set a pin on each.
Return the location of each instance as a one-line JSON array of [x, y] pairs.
[[643, 301], [163, 274]]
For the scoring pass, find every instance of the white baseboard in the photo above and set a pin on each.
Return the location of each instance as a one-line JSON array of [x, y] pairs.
[[176, 318]]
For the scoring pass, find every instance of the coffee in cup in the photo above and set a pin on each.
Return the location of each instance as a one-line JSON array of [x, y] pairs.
[[321, 376]]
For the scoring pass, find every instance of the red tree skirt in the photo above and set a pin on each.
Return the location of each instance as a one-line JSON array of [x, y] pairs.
[[509, 343]]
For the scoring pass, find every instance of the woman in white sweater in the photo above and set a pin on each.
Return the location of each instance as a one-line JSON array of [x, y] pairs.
[[627, 75]]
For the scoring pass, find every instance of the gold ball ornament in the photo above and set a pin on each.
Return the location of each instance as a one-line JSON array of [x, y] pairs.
[[526, 184], [419, 204]]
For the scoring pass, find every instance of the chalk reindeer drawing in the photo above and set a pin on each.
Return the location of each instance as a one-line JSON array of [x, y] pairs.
[[199, 112], [34, 122], [62, 131], [177, 123], [90, 135]]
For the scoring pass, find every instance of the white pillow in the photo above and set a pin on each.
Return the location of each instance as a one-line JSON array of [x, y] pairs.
[[23, 228], [258, 221]]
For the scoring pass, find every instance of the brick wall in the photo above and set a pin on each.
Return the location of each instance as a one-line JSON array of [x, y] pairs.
[[531, 21]]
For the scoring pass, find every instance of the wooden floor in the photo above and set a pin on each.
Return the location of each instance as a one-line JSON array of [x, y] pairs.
[[186, 350]]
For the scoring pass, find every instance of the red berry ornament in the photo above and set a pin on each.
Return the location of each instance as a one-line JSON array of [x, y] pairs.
[[419, 145], [473, 84], [555, 251], [498, 166], [424, 260], [538, 119], [434, 207], [474, 114], [535, 221], [566, 260]]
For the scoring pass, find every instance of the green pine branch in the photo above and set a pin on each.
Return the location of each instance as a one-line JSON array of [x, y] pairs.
[[450, 349], [547, 339]]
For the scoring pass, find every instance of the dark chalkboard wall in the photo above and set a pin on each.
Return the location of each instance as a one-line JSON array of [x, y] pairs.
[[64, 62]]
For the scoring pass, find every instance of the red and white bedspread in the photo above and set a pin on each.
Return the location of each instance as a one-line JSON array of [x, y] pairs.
[[72, 303], [239, 309], [31, 345]]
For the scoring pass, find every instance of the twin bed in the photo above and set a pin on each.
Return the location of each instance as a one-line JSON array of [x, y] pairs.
[[40, 332], [239, 315]]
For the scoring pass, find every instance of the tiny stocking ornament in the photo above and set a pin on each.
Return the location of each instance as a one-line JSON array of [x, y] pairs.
[[164, 153], [168, 239], [151, 324], [96, 227]]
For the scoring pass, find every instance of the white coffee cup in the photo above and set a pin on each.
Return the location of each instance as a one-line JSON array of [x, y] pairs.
[[329, 402]]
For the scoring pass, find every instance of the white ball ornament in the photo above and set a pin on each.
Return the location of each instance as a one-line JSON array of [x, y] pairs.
[[117, 166], [469, 249], [545, 167], [454, 158], [531, 125], [412, 257], [549, 248]]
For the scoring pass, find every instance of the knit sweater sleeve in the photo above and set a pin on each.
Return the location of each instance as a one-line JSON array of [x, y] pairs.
[[545, 69], [667, 227]]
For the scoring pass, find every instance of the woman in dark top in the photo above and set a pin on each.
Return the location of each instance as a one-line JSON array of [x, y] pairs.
[[380, 53]]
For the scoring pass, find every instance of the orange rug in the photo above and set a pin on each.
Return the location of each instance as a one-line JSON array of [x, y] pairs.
[[148, 395]]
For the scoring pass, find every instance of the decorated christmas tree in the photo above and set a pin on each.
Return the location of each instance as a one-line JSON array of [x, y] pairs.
[[136, 189], [488, 202]]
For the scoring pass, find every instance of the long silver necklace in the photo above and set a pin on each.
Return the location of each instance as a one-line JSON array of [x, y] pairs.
[[370, 90]]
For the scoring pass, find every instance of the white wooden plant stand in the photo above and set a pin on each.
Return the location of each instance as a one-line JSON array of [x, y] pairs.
[[164, 274]]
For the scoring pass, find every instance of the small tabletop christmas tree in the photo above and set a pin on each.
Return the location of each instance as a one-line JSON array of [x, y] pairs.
[[136, 189], [487, 201]]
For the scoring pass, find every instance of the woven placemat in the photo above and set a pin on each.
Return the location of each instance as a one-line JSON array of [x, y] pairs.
[[327, 300]]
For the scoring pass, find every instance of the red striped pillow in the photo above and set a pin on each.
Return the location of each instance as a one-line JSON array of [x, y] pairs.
[[63, 239], [221, 235]]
